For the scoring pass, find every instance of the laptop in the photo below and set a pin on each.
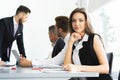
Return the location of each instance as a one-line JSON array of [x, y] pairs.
[[16, 54]]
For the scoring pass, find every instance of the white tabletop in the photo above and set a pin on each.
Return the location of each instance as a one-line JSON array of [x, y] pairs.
[[29, 74]]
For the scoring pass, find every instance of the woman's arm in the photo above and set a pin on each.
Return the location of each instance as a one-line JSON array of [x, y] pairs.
[[74, 37], [101, 55], [67, 59]]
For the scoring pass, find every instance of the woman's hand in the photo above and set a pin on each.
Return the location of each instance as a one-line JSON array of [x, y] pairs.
[[74, 37], [72, 67]]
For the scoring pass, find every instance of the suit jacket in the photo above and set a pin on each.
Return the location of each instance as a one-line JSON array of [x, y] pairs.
[[7, 37], [59, 45]]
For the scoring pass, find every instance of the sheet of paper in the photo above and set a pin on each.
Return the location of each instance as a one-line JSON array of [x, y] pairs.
[[53, 70]]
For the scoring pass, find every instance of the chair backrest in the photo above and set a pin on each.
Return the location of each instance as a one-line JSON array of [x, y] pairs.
[[119, 76], [110, 60]]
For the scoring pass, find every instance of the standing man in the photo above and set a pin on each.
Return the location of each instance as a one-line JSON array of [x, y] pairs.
[[11, 29]]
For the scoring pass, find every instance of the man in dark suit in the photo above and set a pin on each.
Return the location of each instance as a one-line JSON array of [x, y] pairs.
[[57, 42], [11, 29]]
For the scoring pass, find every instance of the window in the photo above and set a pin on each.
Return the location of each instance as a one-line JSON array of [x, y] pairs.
[[106, 22]]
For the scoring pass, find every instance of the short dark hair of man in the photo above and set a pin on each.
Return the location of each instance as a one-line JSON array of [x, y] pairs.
[[22, 8], [62, 22]]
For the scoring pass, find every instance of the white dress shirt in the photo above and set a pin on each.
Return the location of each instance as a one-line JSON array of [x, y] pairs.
[[57, 60], [15, 25], [78, 45], [53, 45]]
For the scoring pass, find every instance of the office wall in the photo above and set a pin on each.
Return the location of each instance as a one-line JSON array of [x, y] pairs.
[[36, 38]]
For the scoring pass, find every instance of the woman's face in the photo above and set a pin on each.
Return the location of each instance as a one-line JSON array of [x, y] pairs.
[[78, 22]]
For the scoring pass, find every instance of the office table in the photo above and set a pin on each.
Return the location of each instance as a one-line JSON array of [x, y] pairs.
[[29, 74]]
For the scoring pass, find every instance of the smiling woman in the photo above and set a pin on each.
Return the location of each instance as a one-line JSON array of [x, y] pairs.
[[85, 50]]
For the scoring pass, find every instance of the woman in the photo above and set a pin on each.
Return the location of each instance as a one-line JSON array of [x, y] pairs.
[[85, 51]]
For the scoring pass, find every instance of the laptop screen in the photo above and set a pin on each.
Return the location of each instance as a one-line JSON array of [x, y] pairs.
[[17, 56]]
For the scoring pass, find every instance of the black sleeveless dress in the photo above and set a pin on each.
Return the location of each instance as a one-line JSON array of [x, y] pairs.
[[88, 56]]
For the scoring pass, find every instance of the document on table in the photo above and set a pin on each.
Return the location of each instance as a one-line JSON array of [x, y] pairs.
[[53, 70], [48, 66]]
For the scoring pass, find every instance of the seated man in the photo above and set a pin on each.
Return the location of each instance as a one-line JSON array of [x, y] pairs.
[[57, 42]]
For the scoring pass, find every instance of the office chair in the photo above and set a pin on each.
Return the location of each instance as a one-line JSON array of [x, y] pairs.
[[119, 76], [110, 60]]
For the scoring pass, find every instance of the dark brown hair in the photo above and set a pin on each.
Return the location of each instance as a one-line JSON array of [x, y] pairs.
[[62, 22], [22, 8]]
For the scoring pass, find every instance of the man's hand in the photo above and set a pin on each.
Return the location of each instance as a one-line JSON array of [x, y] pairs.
[[2, 63], [25, 62]]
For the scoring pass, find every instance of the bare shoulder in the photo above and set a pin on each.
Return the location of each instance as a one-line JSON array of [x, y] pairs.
[[97, 38]]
